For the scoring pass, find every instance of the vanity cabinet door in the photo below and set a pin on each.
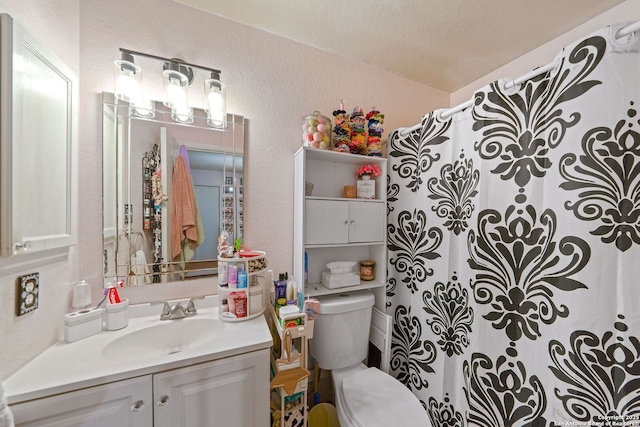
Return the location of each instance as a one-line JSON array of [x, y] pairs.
[[228, 392], [125, 403]]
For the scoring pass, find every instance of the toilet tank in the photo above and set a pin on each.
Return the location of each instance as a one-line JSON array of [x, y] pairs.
[[341, 330]]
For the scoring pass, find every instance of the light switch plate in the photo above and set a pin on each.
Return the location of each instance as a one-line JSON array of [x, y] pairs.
[[27, 293]]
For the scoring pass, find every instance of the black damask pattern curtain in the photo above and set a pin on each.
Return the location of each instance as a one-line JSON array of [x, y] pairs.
[[514, 248]]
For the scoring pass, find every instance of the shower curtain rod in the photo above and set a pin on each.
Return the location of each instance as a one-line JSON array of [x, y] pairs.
[[630, 29]]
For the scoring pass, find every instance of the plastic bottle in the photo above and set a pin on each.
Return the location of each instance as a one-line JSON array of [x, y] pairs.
[[241, 304], [306, 269], [223, 274], [291, 291], [233, 276], [242, 279]]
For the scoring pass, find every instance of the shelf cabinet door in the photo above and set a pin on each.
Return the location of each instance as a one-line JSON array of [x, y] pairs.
[[335, 222], [125, 403], [223, 393], [366, 222], [326, 222]]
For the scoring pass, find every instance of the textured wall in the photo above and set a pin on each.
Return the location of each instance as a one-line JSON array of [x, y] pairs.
[[629, 10]]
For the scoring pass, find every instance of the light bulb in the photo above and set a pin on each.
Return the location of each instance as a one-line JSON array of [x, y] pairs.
[[128, 81], [175, 89], [216, 102]]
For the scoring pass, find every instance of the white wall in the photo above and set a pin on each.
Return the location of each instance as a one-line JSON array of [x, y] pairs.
[[272, 81], [627, 11]]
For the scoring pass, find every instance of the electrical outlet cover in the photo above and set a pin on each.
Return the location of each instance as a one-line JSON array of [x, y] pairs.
[[27, 293]]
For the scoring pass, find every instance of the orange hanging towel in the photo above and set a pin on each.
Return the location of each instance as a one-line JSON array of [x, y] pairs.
[[183, 221]]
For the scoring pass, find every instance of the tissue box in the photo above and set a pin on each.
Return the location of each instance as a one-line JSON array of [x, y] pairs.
[[82, 324], [334, 281]]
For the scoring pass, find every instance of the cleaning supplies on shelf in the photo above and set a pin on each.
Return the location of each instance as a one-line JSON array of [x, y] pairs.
[[291, 291], [281, 287], [289, 310]]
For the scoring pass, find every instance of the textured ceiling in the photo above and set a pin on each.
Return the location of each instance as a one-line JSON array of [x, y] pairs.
[[445, 44]]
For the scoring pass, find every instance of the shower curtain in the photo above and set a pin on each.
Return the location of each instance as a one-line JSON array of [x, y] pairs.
[[514, 248]]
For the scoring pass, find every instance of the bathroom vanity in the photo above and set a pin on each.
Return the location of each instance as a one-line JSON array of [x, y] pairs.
[[188, 372]]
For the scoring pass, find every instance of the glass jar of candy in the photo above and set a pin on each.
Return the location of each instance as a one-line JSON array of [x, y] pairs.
[[316, 131]]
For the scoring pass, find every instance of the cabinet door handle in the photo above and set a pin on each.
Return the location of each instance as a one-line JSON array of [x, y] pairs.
[[137, 406], [346, 221], [23, 246], [164, 400]]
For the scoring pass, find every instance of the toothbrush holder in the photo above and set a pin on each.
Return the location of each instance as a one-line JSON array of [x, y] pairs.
[[117, 315]]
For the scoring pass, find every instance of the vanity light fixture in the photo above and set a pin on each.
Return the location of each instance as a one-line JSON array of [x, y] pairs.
[[177, 76]]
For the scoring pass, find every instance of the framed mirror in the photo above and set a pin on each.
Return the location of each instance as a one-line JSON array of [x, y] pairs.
[[169, 190]]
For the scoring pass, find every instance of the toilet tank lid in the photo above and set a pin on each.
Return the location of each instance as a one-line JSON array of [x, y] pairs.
[[346, 301]]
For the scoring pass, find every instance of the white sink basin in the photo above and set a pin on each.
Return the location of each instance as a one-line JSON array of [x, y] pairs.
[[165, 338]]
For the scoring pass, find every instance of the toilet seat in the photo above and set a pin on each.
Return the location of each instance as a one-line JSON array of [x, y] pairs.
[[373, 398]]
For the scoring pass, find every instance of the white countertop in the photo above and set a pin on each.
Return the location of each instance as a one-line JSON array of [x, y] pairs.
[[70, 366]]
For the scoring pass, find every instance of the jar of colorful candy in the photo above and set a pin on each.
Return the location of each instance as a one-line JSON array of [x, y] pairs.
[[316, 131]]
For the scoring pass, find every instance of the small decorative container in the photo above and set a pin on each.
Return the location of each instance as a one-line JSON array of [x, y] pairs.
[[349, 191], [374, 132], [308, 188], [366, 188], [341, 129], [366, 270], [316, 131]]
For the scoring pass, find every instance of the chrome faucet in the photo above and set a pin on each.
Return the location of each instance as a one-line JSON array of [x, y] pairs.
[[177, 311]]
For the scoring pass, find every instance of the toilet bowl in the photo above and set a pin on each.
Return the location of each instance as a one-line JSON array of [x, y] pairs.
[[364, 397]]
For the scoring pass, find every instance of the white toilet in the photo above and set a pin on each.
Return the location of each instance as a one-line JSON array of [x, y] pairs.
[[365, 397]]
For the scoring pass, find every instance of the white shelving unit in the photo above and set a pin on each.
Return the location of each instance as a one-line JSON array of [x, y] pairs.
[[329, 227], [300, 336], [256, 291]]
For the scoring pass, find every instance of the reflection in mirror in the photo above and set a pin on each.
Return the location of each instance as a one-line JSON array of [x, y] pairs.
[[169, 189]]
